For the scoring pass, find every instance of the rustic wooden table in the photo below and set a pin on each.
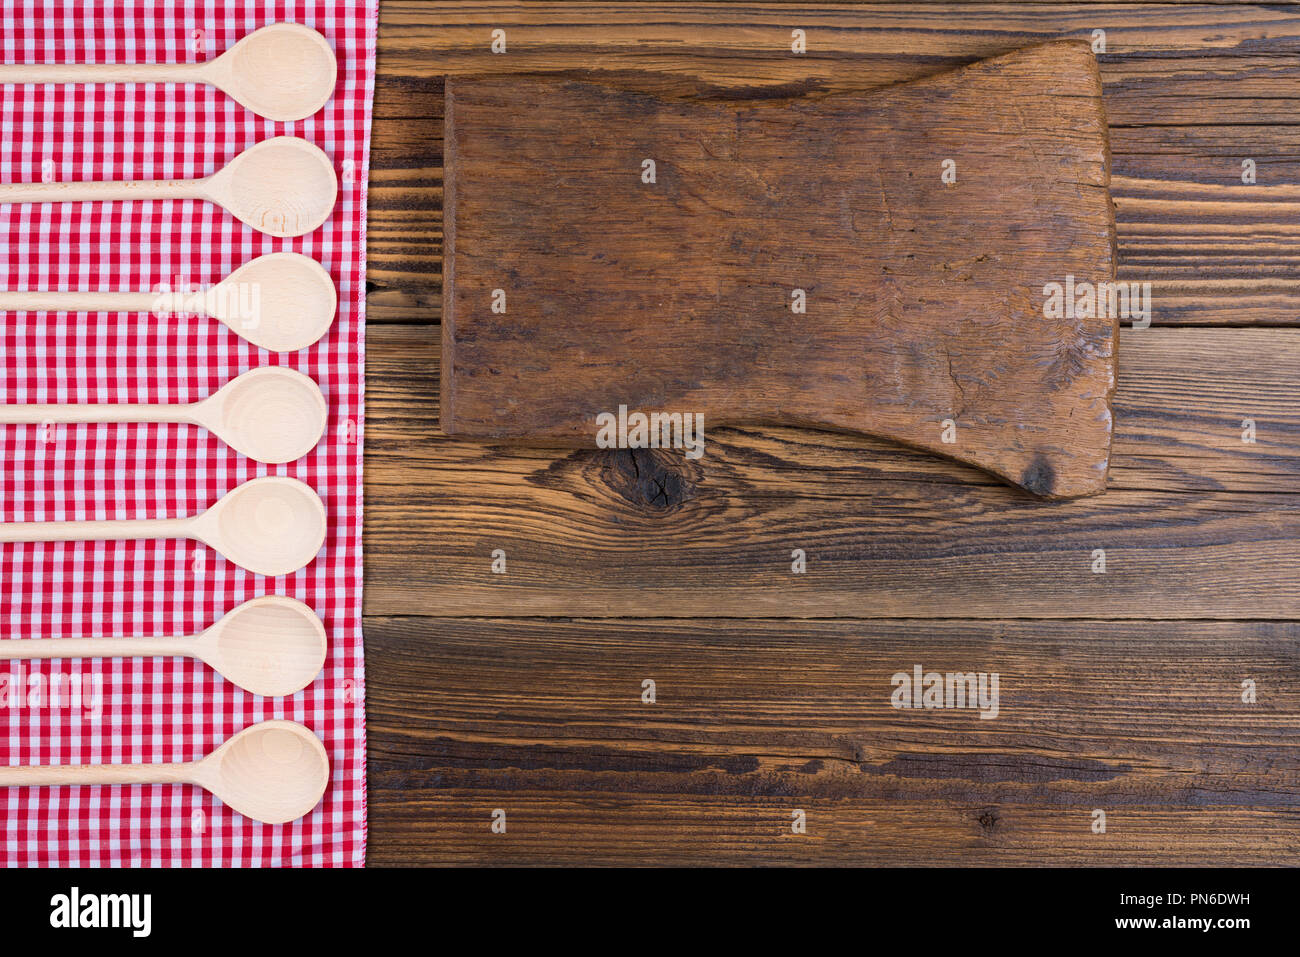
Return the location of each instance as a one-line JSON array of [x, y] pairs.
[[1162, 691]]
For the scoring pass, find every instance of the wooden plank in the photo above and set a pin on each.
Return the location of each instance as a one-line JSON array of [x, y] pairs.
[[1197, 522], [738, 46], [415, 823], [753, 720], [1190, 92]]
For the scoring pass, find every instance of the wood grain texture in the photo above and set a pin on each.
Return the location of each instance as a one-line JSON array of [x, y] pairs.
[[1190, 91], [887, 531], [1140, 716], [709, 774], [925, 303]]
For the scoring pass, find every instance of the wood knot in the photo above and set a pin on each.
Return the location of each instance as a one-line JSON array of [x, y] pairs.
[[988, 820], [654, 479], [626, 485], [1039, 477]]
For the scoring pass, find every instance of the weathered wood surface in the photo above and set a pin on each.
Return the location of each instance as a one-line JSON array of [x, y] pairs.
[[1190, 91], [1141, 718], [580, 282], [1197, 523], [754, 720]]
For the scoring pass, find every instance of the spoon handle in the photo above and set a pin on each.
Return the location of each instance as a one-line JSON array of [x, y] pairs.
[[30, 648], [18, 300], [107, 191], [101, 72], [93, 774], [94, 531], [15, 413]]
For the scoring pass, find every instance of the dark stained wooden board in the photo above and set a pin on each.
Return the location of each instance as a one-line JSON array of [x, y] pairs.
[[1136, 716], [578, 284]]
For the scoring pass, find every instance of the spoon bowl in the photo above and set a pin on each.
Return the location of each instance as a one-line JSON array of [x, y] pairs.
[[294, 297], [283, 186], [271, 646], [270, 526], [284, 72], [271, 414], [274, 772]]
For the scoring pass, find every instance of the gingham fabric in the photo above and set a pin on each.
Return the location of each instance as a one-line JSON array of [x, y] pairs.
[[164, 710]]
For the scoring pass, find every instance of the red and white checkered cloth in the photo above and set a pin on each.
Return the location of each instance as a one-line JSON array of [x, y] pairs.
[[164, 710]]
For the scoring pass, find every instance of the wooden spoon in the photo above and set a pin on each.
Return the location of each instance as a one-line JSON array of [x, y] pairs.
[[271, 414], [281, 301], [283, 186], [273, 772], [271, 646], [270, 526], [284, 71]]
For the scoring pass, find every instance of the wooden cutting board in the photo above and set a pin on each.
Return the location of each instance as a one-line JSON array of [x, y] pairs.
[[576, 282]]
